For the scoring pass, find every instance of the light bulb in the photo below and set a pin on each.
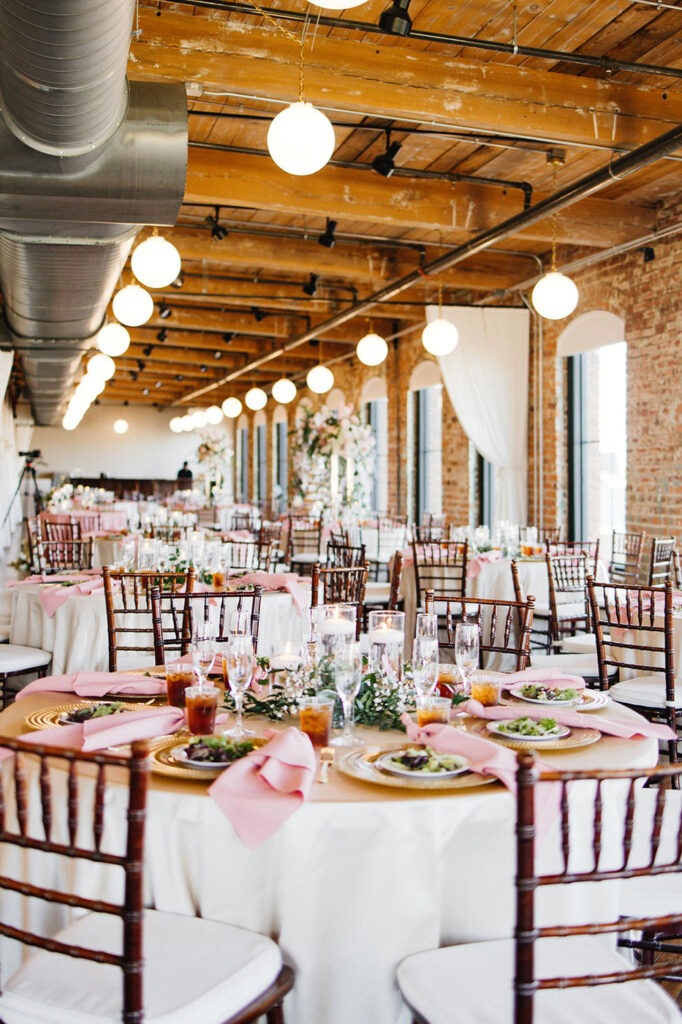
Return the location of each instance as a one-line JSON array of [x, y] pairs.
[[90, 387], [255, 399], [113, 340], [155, 262], [440, 337], [372, 349], [101, 367], [120, 426], [232, 408], [555, 296], [199, 420], [176, 425], [284, 391], [187, 422], [320, 379], [301, 139], [214, 414], [133, 306]]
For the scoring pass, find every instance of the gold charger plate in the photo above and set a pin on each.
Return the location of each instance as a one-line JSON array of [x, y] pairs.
[[577, 738], [49, 717], [359, 764], [162, 762]]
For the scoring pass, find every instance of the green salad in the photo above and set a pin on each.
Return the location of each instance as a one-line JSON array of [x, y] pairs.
[[549, 693], [92, 711], [529, 727], [426, 759], [217, 749]]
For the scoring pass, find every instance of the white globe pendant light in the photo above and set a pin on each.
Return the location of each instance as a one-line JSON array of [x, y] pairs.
[[301, 139], [133, 306], [187, 422], [155, 262], [101, 367], [113, 340], [120, 426], [255, 399], [284, 391], [440, 337], [214, 415], [199, 420], [555, 296], [232, 407], [320, 379], [372, 349], [176, 425]]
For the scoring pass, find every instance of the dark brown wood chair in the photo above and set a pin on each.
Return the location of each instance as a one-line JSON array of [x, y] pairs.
[[440, 566], [182, 611], [55, 556], [661, 561], [253, 555], [303, 544], [433, 527], [340, 585], [569, 608], [345, 555], [504, 627], [565, 971], [634, 630], [57, 530], [75, 818], [589, 548], [626, 557], [169, 532], [128, 599]]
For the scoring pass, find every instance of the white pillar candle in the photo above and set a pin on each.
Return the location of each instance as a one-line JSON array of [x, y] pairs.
[[388, 636], [337, 627], [284, 662]]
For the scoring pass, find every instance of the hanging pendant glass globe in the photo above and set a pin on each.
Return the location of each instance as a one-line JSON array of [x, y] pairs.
[[187, 422], [155, 262], [555, 296], [120, 426], [232, 407], [440, 337], [372, 349], [255, 399], [199, 420], [113, 340], [301, 139], [176, 425], [284, 391], [101, 367], [133, 306], [214, 415], [320, 379]]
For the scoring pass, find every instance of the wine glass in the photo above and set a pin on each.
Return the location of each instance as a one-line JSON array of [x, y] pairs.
[[238, 623], [466, 650], [347, 665], [427, 625], [425, 665], [239, 661], [203, 648]]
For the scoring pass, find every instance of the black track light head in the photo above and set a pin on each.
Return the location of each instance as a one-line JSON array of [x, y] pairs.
[[258, 314], [395, 20], [164, 310], [147, 350], [227, 336], [327, 239], [310, 287], [384, 164], [162, 334], [141, 364], [218, 232]]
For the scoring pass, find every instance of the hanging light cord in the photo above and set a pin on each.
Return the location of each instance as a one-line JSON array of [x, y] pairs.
[[290, 35], [554, 176]]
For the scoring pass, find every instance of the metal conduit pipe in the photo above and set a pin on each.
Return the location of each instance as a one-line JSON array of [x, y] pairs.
[[607, 64], [581, 189]]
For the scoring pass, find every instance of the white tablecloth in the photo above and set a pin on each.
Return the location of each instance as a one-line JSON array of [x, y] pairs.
[[354, 881], [77, 632]]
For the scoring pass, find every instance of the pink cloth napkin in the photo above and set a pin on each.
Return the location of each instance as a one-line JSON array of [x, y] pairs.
[[111, 731], [475, 564], [53, 578], [55, 597], [281, 581], [237, 536], [543, 677], [573, 719], [95, 684], [259, 792]]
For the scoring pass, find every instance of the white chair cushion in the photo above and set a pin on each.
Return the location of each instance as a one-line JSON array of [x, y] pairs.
[[377, 593], [571, 610], [15, 658], [644, 691], [581, 643], [573, 664], [473, 983], [196, 972]]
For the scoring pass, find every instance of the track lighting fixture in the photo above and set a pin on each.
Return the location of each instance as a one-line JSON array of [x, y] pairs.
[[218, 232], [162, 334], [327, 238], [217, 355], [202, 368], [258, 314], [140, 364], [179, 376], [395, 20], [384, 164], [158, 384], [310, 287], [164, 310], [179, 281], [227, 336], [147, 350]]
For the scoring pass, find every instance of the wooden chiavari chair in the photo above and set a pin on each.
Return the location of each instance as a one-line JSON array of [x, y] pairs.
[[244, 521], [303, 544], [504, 627], [72, 968], [626, 557], [170, 532], [251, 554], [589, 548], [340, 585], [661, 560], [61, 530], [55, 556], [183, 611], [568, 604], [389, 534], [345, 554], [609, 827], [440, 566], [207, 518], [90, 523], [128, 599], [677, 569], [271, 533]]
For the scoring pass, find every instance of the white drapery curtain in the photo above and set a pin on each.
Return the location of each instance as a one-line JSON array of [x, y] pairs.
[[486, 379]]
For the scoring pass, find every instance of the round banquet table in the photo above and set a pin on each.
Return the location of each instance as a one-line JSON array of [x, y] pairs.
[[358, 878], [77, 632]]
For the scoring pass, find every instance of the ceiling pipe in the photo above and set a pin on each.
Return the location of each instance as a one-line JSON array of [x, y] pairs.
[[584, 187]]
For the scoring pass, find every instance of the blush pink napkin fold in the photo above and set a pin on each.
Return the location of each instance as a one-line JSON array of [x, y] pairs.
[[259, 792], [281, 581], [55, 597], [476, 563], [543, 677], [110, 731], [95, 684], [573, 719]]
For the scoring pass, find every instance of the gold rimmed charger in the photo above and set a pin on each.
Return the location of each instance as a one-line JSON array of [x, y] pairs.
[[47, 718], [360, 764], [589, 702], [162, 762], [577, 738]]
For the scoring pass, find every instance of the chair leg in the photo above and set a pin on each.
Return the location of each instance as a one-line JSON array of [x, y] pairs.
[[275, 1015]]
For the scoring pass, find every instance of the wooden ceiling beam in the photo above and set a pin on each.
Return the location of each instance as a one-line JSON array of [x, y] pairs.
[[248, 346], [464, 210], [180, 357], [368, 77]]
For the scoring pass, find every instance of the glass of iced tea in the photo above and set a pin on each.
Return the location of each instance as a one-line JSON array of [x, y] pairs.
[[316, 719], [202, 704], [179, 676], [433, 709], [486, 689], [448, 679]]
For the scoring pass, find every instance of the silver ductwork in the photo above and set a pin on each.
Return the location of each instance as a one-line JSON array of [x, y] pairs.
[[85, 159]]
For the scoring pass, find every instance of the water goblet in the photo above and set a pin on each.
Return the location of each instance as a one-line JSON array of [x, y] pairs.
[[425, 665], [427, 625], [466, 651], [239, 661], [203, 648], [347, 666]]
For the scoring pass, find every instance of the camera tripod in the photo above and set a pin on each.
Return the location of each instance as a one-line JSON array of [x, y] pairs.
[[28, 475]]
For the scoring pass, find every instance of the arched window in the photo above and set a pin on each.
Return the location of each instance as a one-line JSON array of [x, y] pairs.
[[243, 458], [335, 399], [374, 403], [594, 344], [280, 458], [260, 464], [425, 432]]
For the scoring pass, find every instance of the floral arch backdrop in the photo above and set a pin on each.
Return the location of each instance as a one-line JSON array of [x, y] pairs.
[[333, 458]]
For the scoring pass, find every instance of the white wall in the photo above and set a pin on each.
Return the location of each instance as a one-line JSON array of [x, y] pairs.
[[149, 449]]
